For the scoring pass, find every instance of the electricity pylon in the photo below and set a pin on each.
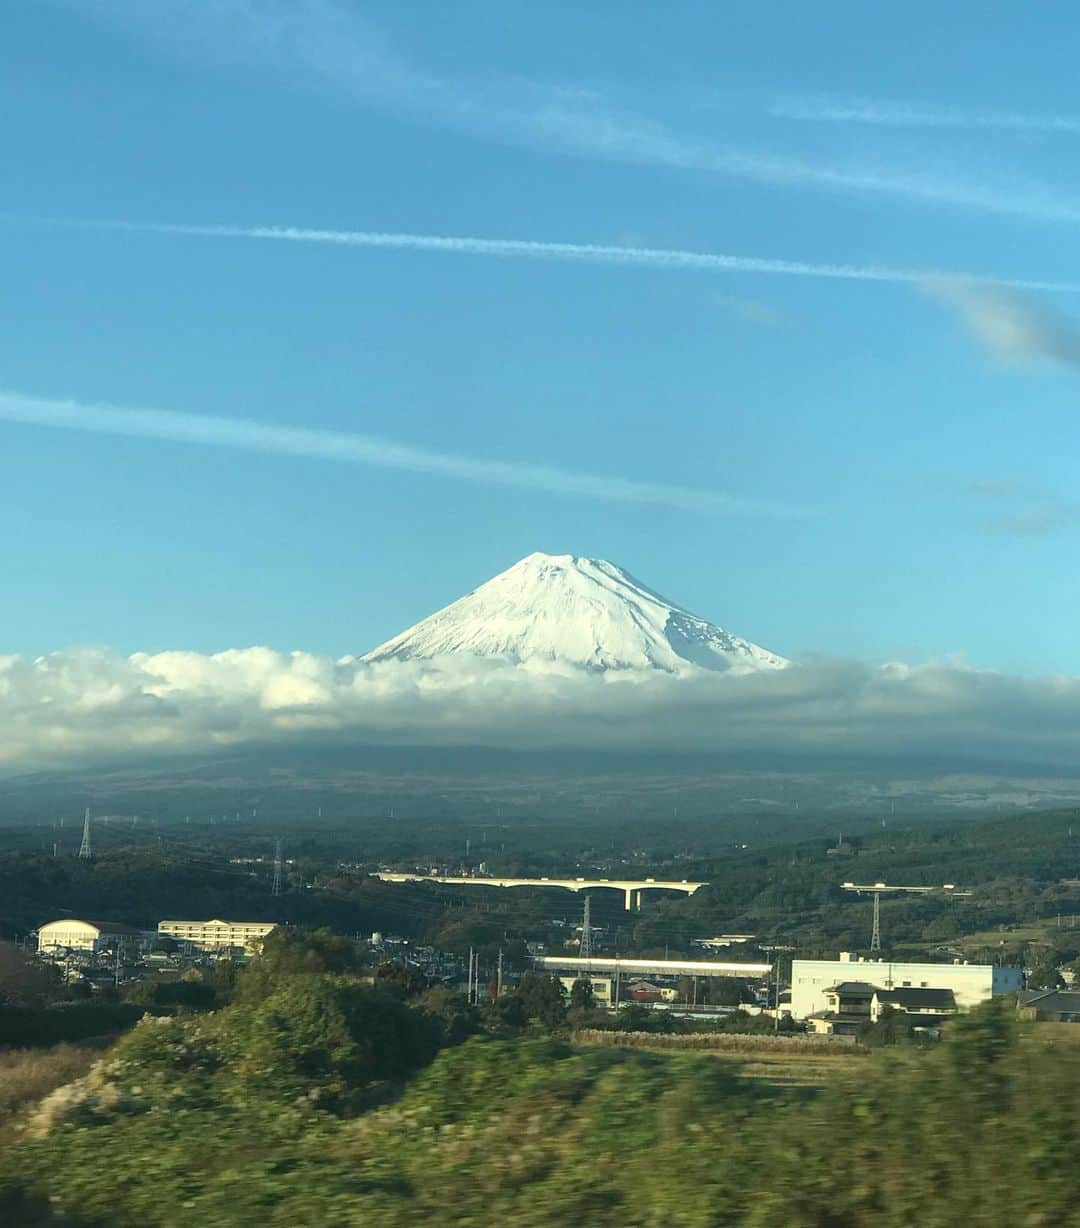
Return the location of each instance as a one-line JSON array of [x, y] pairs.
[[946, 890], [276, 889], [586, 934], [84, 848]]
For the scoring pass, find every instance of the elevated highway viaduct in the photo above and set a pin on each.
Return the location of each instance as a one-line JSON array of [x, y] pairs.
[[630, 887]]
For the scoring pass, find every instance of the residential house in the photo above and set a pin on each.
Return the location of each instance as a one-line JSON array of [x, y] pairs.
[[1054, 1005]]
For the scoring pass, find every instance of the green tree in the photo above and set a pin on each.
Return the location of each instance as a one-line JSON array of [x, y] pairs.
[[508, 1012], [976, 1046], [891, 1028], [633, 1017], [581, 995], [23, 981], [295, 951], [153, 991], [290, 949], [458, 1019], [224, 977], [320, 1041], [1044, 975], [541, 998], [400, 980]]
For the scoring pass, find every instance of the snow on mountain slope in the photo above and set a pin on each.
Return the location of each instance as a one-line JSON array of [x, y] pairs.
[[579, 612]]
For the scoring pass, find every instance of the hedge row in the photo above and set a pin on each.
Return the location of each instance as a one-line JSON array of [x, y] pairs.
[[38, 1027]]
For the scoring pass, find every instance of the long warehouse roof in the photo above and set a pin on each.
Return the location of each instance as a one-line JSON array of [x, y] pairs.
[[674, 967]]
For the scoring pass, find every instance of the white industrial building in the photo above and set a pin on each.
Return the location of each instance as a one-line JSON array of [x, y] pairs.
[[72, 935], [217, 935], [812, 979]]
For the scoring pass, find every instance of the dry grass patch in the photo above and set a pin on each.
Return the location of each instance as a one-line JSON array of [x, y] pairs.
[[29, 1075], [721, 1042], [782, 1061]]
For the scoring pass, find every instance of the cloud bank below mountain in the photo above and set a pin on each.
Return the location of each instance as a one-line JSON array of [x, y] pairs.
[[78, 707]]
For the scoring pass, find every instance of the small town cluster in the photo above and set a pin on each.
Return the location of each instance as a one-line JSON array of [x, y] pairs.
[[828, 998]]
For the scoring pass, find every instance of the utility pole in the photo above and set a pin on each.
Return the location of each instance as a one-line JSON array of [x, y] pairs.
[[84, 849], [774, 949], [776, 998], [498, 976], [468, 981], [276, 889]]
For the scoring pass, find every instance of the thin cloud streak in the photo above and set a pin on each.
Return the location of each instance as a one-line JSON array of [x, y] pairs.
[[891, 113], [256, 436], [674, 259], [326, 44]]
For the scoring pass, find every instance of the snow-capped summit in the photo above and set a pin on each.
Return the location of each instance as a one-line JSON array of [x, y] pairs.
[[574, 611]]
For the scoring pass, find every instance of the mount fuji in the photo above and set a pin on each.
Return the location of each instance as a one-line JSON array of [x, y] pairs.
[[566, 611]]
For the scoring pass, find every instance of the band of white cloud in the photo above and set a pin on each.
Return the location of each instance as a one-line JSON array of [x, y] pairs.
[[78, 706], [368, 450], [659, 258]]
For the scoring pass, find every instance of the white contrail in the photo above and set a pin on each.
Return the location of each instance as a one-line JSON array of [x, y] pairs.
[[894, 114], [368, 450], [532, 249]]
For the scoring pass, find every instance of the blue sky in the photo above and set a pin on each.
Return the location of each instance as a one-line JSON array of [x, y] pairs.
[[878, 468]]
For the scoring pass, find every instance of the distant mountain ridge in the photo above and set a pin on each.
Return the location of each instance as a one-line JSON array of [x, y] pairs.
[[563, 610]]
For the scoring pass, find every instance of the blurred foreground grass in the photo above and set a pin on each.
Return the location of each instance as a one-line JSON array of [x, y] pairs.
[[324, 1105]]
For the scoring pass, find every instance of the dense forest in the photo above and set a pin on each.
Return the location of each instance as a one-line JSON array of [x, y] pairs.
[[786, 892]]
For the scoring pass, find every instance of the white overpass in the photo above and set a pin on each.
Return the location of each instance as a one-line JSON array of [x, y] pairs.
[[630, 887], [649, 967]]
